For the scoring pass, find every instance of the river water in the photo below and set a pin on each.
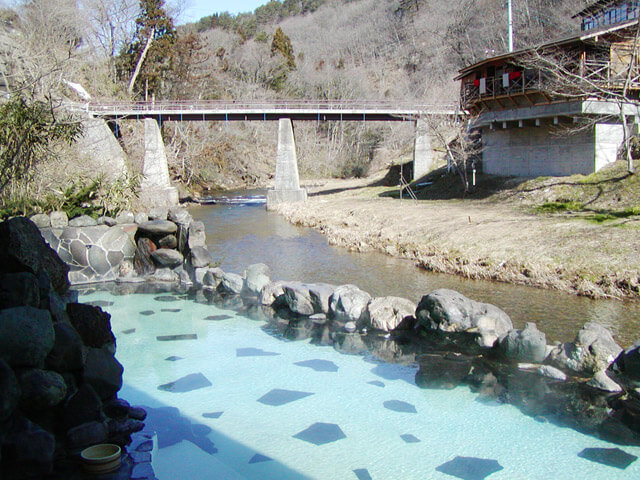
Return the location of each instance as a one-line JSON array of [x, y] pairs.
[[239, 234]]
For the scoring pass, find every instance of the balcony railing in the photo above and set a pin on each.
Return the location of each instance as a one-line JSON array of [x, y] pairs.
[[596, 74], [509, 84]]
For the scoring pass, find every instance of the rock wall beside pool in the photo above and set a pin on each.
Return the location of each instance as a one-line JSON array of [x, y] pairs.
[[164, 245], [59, 377]]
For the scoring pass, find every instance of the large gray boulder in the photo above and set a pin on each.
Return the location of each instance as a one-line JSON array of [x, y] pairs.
[[450, 311], [212, 278], [26, 336], [41, 389], [197, 236], [320, 294], [272, 293], [83, 221], [389, 313], [231, 283], [298, 299], [41, 220], [158, 213], [256, 277], [602, 381], [58, 219], [593, 350], [179, 215], [526, 345], [103, 372], [125, 217], [165, 257], [200, 257], [157, 227], [349, 304]]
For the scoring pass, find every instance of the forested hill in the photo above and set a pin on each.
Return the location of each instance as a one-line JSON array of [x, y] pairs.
[[373, 49], [393, 50]]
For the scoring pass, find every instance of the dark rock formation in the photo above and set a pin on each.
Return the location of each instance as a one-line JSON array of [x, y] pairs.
[[92, 323]]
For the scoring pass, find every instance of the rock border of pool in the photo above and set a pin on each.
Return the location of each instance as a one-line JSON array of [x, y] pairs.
[[59, 378]]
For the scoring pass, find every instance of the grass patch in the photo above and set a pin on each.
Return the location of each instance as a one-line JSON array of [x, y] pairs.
[[560, 207], [604, 216]]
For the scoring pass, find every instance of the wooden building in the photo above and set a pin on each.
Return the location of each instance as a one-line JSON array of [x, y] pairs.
[[523, 102]]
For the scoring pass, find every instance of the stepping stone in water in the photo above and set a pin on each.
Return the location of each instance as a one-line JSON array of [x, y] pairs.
[[254, 352], [173, 358], [147, 312], [171, 338], [470, 468], [321, 433], [129, 331], [408, 438], [277, 397], [362, 474], [171, 310], [212, 415], [399, 406], [193, 381], [376, 383], [611, 457], [258, 458], [318, 365], [218, 317], [166, 298]]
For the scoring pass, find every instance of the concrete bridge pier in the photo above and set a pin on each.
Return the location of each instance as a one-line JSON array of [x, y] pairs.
[[155, 189], [287, 183], [422, 153]]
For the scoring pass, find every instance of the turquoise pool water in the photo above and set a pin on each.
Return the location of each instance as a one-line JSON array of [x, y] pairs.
[[230, 399]]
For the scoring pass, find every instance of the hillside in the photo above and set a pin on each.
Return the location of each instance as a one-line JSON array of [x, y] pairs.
[[399, 50]]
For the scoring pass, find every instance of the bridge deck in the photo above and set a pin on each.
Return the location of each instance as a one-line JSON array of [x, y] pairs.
[[243, 110]]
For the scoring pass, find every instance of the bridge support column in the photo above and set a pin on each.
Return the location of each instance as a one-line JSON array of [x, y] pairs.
[[287, 183], [155, 189], [422, 153]]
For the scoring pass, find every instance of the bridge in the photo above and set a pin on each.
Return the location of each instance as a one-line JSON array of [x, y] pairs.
[[287, 187]]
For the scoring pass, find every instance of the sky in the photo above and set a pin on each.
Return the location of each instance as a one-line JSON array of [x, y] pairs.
[[201, 8]]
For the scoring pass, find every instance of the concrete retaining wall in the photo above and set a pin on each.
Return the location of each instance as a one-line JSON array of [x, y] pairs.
[[541, 151]]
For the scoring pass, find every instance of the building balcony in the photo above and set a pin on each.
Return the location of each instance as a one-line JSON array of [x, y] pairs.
[[532, 87]]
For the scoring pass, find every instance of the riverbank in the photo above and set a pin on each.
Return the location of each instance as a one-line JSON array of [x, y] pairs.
[[498, 237]]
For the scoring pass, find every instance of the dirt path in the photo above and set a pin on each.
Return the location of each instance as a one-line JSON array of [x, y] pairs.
[[477, 239]]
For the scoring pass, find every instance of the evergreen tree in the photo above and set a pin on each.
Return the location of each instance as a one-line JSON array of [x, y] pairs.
[[147, 60], [281, 44]]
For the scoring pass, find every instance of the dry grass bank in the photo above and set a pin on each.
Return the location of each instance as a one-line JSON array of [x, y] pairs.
[[504, 235]]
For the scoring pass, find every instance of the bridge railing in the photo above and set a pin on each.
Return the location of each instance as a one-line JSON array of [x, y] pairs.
[[292, 105]]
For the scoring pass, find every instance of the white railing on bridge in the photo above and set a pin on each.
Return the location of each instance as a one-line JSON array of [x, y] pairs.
[[320, 106]]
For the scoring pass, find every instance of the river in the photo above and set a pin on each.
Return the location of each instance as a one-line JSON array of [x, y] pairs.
[[241, 234]]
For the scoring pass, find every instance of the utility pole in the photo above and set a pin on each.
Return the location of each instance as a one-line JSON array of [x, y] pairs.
[[510, 18]]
